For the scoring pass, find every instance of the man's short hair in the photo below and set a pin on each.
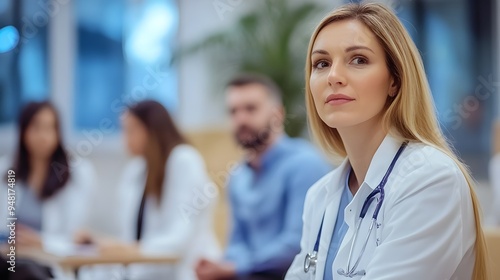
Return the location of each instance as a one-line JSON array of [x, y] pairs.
[[248, 79]]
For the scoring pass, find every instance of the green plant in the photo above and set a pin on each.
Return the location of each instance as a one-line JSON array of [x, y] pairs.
[[271, 40]]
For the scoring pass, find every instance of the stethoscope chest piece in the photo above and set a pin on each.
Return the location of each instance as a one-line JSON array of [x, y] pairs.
[[310, 262]]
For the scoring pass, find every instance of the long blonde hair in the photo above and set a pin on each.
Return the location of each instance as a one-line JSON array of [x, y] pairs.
[[411, 112]]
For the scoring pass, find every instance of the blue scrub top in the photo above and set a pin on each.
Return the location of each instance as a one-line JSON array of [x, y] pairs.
[[339, 231]]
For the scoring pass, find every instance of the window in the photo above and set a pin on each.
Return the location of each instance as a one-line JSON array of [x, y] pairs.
[[23, 55], [456, 43], [124, 49]]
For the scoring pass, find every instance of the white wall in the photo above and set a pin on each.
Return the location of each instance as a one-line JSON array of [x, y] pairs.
[[200, 106]]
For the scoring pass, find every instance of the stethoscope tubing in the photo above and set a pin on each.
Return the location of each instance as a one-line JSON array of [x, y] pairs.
[[311, 259]]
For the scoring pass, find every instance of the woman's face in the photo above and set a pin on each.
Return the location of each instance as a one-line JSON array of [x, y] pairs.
[[41, 136], [136, 134], [349, 81]]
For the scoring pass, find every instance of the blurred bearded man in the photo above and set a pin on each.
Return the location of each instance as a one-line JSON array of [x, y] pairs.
[[267, 189]]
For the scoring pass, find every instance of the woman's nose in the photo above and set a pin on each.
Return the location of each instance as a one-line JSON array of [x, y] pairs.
[[336, 75]]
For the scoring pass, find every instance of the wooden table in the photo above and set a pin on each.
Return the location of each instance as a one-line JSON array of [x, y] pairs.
[[71, 264], [493, 243]]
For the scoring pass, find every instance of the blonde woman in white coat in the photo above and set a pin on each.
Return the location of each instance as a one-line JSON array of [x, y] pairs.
[[368, 102], [169, 185], [51, 191]]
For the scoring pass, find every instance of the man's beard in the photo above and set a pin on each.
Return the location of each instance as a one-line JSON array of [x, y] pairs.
[[256, 139]]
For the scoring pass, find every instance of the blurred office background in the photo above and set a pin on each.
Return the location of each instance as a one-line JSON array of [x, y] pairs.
[[92, 58]]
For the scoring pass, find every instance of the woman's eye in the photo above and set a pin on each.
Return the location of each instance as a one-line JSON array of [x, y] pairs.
[[359, 60], [320, 64]]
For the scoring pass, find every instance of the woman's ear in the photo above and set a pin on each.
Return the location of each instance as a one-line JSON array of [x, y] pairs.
[[393, 90]]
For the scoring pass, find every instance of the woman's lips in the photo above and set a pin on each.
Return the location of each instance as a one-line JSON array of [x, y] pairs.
[[338, 99]]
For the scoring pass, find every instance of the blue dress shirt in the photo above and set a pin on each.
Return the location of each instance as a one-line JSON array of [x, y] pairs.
[[267, 206], [339, 231]]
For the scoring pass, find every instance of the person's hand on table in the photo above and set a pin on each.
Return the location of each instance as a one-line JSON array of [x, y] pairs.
[[115, 247], [83, 237], [106, 245], [26, 237], [209, 270]]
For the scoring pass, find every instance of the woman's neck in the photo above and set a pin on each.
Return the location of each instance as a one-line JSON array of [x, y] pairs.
[[361, 142]]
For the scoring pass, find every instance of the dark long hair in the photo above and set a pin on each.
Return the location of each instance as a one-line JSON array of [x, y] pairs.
[[163, 137], [58, 171]]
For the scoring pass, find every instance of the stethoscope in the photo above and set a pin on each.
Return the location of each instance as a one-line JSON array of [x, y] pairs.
[[311, 260]]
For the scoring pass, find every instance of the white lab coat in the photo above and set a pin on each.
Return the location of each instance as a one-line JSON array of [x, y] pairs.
[[181, 225], [426, 226], [62, 214]]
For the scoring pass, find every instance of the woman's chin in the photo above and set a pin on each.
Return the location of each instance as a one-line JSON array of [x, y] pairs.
[[336, 122]]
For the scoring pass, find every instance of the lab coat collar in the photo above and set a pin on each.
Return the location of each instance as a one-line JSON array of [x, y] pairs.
[[378, 165], [338, 178], [382, 159]]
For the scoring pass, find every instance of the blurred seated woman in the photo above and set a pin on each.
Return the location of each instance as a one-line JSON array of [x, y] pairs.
[[50, 190], [167, 198]]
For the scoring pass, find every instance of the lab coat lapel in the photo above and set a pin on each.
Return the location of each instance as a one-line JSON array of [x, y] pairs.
[[352, 212], [353, 209], [382, 159], [328, 225], [331, 201], [130, 200], [378, 167]]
